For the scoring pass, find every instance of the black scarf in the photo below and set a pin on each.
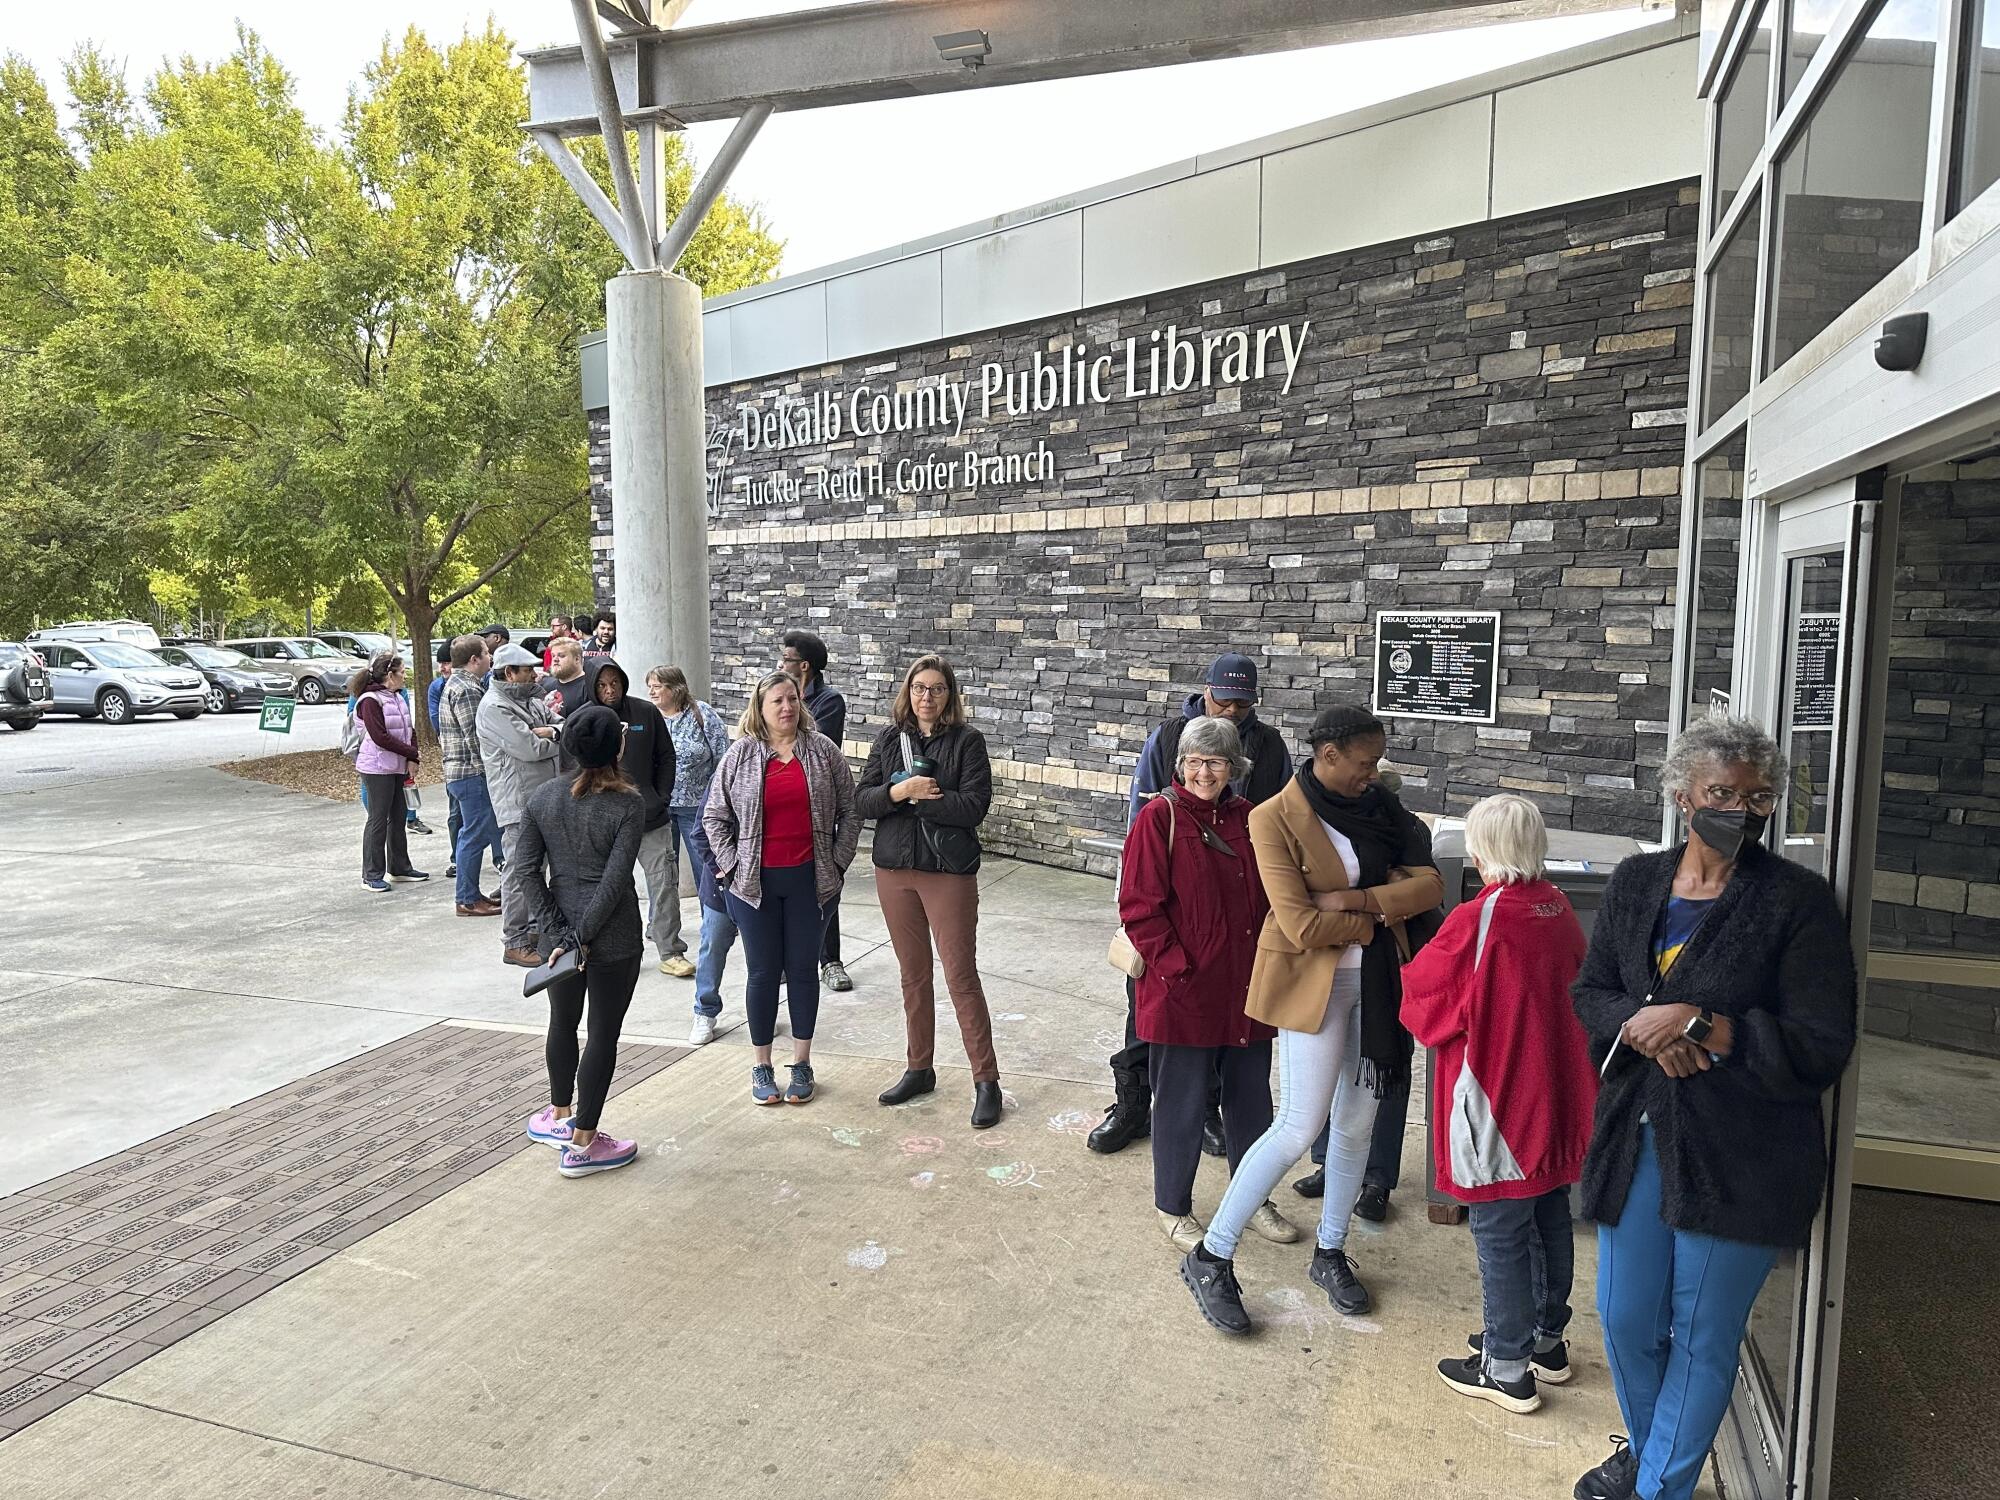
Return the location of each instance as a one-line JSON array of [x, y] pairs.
[[1376, 825]]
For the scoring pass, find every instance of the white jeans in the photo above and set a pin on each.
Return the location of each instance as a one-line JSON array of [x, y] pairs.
[[1316, 1086]]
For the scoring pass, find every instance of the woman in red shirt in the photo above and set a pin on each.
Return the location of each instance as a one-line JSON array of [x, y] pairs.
[[781, 824], [1192, 902]]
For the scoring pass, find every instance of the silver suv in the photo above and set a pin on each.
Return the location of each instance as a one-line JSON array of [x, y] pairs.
[[320, 671], [117, 682]]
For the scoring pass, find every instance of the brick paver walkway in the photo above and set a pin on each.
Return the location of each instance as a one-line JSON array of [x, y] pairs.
[[111, 1263]]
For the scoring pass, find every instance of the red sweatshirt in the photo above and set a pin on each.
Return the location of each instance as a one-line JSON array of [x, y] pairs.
[[1512, 1079]]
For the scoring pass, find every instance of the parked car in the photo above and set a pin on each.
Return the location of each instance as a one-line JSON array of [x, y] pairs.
[[361, 643], [117, 682], [132, 632], [24, 686], [234, 680], [319, 671]]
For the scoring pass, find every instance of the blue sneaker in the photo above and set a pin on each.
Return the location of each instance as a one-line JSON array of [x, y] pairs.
[[764, 1085], [801, 1088], [379, 887]]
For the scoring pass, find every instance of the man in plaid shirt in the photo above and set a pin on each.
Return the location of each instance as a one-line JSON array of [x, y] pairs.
[[465, 772]]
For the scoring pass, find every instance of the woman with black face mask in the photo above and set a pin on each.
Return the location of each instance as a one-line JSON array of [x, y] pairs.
[[1718, 994]]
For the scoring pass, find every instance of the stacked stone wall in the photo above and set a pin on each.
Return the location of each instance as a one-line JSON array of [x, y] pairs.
[[1490, 418]]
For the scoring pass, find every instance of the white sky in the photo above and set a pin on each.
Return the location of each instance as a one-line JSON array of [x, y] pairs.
[[840, 182]]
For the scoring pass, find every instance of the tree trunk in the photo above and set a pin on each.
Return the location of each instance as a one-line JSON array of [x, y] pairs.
[[421, 619]]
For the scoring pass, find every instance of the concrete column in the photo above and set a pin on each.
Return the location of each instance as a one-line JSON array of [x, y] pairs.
[[659, 500]]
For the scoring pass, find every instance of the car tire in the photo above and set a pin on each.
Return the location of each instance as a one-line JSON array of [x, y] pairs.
[[114, 707], [25, 724], [312, 692], [187, 713], [216, 700]]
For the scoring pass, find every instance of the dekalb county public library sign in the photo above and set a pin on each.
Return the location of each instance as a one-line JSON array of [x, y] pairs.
[[1165, 363]]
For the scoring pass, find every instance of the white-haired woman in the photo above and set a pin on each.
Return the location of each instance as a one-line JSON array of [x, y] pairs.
[[1513, 1085], [1192, 900], [1718, 993]]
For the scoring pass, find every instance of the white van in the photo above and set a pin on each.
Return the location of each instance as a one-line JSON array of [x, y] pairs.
[[132, 632]]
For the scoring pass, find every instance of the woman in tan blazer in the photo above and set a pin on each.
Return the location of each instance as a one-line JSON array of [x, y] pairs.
[[1344, 866]]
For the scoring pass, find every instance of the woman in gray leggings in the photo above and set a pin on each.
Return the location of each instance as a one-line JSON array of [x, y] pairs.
[[1343, 866]]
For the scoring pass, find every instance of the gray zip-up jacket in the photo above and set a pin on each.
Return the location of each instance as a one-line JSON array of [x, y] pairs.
[[591, 844], [517, 760]]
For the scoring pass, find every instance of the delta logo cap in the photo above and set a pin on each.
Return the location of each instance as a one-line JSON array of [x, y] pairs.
[[1233, 678]]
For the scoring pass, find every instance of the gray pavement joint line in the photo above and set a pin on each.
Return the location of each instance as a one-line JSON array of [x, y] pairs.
[[431, 1017], [373, 1463]]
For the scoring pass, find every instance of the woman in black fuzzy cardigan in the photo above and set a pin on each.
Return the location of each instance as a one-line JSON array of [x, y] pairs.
[[1719, 997]]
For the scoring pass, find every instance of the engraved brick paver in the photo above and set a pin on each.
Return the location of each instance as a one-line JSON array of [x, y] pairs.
[[106, 1265]]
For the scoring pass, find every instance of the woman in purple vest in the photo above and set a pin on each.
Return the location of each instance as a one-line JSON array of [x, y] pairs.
[[387, 755]]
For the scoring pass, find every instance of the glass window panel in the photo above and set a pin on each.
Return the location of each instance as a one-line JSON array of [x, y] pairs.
[[1851, 184], [1810, 19], [1978, 162], [1732, 318], [1718, 566], [1742, 112]]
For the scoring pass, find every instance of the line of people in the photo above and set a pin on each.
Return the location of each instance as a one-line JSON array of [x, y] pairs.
[[1673, 1064]]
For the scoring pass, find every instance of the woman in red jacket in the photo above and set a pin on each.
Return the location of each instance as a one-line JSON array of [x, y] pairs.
[[1514, 1087], [1192, 903]]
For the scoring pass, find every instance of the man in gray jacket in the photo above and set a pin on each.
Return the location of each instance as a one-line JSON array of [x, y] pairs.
[[518, 746]]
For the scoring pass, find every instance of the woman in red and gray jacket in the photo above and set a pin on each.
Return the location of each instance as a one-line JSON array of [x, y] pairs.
[[1192, 903], [1514, 1088]]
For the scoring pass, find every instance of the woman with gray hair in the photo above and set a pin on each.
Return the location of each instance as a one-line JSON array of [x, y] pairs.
[[1718, 994], [1192, 901]]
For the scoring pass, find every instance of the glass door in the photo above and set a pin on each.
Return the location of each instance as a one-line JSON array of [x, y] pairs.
[[1809, 575]]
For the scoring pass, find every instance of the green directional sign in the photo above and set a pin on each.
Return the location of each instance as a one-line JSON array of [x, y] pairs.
[[277, 716]]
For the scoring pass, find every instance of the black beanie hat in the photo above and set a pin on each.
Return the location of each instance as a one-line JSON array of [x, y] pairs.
[[593, 735]]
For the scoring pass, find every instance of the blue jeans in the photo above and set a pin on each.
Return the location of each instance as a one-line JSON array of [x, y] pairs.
[[1674, 1306], [1527, 1260], [477, 832], [781, 936], [718, 936]]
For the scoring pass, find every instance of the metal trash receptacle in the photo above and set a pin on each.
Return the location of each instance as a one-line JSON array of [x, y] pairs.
[[1580, 866]]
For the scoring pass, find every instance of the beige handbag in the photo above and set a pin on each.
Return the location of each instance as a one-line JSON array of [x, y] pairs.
[[1121, 955]]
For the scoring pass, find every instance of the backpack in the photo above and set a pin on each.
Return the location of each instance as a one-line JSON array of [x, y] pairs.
[[351, 735]]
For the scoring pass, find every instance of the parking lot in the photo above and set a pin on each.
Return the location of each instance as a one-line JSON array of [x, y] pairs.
[[65, 751]]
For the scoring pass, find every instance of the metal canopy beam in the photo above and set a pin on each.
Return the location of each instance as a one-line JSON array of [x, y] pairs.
[[883, 49]]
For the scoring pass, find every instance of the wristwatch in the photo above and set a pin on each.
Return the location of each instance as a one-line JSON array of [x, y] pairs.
[[1698, 1027]]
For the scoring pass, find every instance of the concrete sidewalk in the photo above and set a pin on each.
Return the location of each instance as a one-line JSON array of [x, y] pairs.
[[840, 1299]]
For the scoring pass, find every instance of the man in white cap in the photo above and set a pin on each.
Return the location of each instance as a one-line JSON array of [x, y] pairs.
[[518, 745]]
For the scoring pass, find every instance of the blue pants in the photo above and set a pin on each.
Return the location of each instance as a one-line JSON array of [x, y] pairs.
[[477, 832], [718, 936], [1527, 1260], [1674, 1306], [782, 936], [1385, 1145]]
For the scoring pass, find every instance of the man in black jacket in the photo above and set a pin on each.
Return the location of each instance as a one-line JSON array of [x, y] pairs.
[[802, 657], [648, 759], [1229, 691]]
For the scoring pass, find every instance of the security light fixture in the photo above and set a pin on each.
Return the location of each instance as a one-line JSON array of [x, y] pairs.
[[968, 47], [1900, 346]]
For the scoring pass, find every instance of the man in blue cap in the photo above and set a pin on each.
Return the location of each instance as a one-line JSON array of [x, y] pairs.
[[1229, 691]]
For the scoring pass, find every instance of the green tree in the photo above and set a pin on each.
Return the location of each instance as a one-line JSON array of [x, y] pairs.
[[293, 363]]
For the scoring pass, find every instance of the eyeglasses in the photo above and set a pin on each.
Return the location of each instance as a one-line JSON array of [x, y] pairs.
[[1726, 798], [1205, 763], [928, 690]]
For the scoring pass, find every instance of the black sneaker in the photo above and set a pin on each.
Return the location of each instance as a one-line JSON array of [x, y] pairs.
[[1373, 1204], [1312, 1185], [1333, 1274], [1617, 1478], [1216, 1292], [1213, 1143], [1470, 1377], [1552, 1368]]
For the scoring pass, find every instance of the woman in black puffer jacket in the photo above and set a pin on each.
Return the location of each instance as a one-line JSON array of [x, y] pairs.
[[928, 786]]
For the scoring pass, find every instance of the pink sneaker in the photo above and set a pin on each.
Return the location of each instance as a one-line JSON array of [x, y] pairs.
[[550, 1131], [601, 1155]]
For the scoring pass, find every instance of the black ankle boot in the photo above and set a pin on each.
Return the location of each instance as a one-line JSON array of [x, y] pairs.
[[986, 1104], [912, 1085], [1128, 1120]]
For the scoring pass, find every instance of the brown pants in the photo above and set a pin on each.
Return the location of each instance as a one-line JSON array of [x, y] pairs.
[[920, 906]]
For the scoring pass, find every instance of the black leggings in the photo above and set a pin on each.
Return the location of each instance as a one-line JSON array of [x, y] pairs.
[[609, 983]]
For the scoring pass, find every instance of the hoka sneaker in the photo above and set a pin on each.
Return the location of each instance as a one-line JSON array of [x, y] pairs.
[[601, 1155], [550, 1131]]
